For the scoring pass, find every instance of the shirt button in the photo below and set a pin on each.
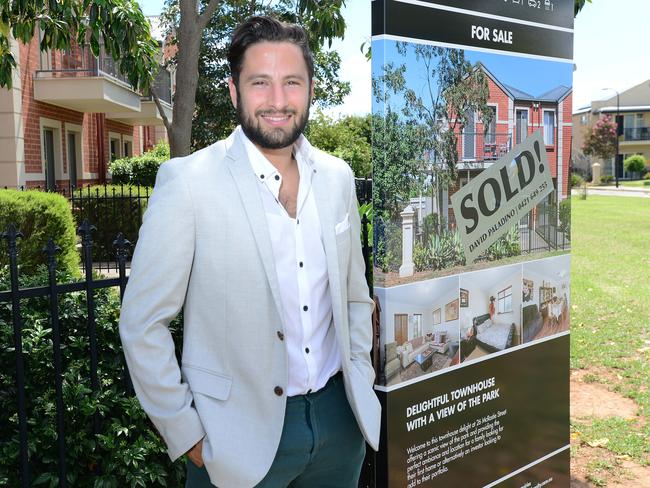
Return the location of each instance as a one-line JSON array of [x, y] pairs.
[[307, 350], [280, 336], [278, 391], [300, 264], [305, 308], [277, 177], [262, 176]]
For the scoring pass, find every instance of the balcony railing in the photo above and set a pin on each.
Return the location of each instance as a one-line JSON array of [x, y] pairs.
[[484, 147], [637, 134], [80, 61], [163, 86]]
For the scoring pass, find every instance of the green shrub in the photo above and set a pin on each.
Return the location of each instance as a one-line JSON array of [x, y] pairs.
[[430, 226], [140, 170], [388, 255], [635, 163], [565, 216], [505, 246], [606, 179], [127, 451], [576, 180], [111, 209], [446, 250], [421, 258], [39, 216], [646, 176]]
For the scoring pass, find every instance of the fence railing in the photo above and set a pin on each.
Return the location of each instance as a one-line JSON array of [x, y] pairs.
[[15, 295], [636, 134]]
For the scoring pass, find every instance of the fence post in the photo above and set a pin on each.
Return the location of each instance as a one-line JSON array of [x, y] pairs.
[[85, 230], [11, 234], [122, 245], [51, 250]]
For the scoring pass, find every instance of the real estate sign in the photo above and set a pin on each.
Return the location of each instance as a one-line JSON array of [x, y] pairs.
[[471, 149]]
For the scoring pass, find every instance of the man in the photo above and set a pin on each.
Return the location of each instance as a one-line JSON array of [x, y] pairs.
[[257, 238]]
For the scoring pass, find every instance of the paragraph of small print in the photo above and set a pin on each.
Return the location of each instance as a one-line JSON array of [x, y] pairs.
[[429, 459]]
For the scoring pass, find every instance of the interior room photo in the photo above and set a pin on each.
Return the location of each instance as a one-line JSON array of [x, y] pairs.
[[419, 328], [545, 297], [490, 311]]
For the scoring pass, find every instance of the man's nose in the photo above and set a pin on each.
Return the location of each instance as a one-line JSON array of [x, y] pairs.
[[278, 96]]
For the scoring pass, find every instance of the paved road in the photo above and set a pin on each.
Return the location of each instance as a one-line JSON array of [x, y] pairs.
[[612, 191]]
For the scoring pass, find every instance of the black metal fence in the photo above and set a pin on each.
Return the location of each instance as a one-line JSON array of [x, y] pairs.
[[89, 285]]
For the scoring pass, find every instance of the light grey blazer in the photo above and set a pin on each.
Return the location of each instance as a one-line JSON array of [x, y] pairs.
[[204, 245]]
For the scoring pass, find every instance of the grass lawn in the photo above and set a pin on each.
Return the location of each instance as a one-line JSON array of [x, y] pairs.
[[637, 183], [610, 323]]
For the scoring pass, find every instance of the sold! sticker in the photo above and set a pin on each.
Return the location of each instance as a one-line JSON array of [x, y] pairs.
[[495, 200]]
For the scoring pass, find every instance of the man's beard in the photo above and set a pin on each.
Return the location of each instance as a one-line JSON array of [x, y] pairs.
[[271, 138]]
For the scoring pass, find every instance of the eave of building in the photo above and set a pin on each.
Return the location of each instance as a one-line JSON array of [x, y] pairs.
[[148, 114], [628, 108], [87, 94]]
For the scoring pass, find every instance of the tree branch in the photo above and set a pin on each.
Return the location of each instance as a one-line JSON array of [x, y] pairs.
[[161, 110], [207, 14]]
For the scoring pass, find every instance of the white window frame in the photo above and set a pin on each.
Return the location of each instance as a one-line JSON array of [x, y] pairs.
[[57, 127], [118, 136], [517, 109], [495, 120], [501, 300], [417, 325], [127, 138], [76, 129], [553, 111]]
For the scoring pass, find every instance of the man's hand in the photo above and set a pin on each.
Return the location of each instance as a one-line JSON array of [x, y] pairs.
[[195, 454]]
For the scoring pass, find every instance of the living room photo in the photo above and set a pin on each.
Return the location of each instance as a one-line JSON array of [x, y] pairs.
[[419, 329], [545, 297], [490, 309]]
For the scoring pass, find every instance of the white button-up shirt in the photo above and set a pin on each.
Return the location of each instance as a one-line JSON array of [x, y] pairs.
[[301, 265]]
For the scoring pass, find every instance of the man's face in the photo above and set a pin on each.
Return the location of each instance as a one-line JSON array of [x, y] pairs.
[[273, 94]]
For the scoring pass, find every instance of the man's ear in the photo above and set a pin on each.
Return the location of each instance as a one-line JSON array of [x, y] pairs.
[[233, 91], [311, 90]]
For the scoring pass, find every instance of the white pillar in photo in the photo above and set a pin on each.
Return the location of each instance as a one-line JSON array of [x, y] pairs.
[[407, 268], [595, 173]]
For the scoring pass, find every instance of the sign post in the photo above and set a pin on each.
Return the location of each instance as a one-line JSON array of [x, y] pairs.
[[471, 152]]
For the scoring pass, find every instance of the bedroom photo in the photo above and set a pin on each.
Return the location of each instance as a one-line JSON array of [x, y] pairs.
[[419, 329], [490, 312], [545, 297]]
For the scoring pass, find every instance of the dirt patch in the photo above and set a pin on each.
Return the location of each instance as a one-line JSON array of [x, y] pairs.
[[595, 400], [597, 467]]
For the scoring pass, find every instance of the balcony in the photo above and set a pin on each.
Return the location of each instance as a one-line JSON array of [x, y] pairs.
[[83, 82], [149, 114], [480, 150], [636, 134]]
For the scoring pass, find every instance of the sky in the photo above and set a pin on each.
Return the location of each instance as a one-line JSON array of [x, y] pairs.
[[610, 50]]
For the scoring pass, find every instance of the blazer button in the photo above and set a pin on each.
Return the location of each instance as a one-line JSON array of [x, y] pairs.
[[280, 336], [278, 391]]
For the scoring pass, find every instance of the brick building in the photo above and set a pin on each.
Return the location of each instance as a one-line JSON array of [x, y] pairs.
[[69, 114], [518, 114]]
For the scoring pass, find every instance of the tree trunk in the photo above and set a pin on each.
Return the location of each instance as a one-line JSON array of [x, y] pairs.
[[187, 77]]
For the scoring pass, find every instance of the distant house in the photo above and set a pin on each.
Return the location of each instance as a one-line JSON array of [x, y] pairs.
[[516, 115], [633, 119], [70, 113]]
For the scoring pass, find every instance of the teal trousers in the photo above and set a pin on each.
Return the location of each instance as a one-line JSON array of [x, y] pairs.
[[321, 445]]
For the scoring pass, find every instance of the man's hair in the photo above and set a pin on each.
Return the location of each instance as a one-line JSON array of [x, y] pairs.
[[266, 29]]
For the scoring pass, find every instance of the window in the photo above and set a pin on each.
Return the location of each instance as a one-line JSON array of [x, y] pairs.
[[521, 125], [416, 321], [583, 119], [51, 152], [549, 127], [504, 300], [114, 146], [491, 128]]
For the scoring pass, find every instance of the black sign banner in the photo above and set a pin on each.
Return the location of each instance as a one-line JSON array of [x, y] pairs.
[[399, 19], [483, 422]]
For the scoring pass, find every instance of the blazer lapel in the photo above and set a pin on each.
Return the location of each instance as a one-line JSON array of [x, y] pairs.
[[321, 186], [247, 185]]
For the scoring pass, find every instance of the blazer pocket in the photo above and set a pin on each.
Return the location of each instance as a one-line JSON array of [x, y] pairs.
[[207, 382], [343, 225]]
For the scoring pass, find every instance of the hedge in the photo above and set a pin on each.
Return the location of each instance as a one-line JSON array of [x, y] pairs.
[[127, 451], [39, 216], [140, 170]]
